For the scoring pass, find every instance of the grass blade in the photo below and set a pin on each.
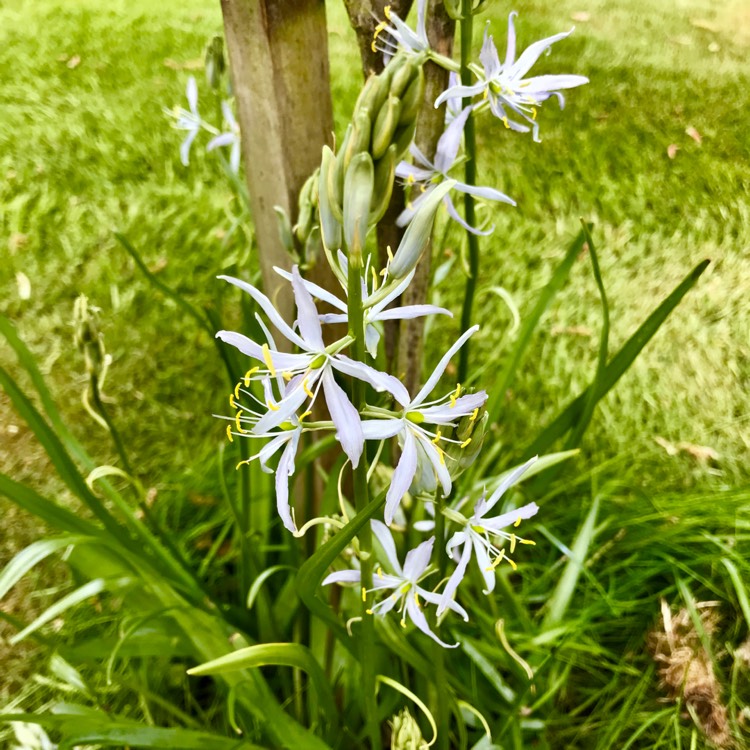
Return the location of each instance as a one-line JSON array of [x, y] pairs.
[[617, 366], [276, 654]]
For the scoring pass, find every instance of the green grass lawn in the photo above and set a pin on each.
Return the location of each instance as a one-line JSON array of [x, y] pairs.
[[86, 149]]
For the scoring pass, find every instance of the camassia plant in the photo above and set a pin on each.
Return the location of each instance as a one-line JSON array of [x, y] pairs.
[[369, 596]]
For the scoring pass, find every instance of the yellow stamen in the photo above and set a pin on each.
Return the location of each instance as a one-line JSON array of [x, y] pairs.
[[237, 422], [474, 415], [249, 374], [374, 279], [387, 12], [368, 611], [364, 594], [436, 440], [441, 455], [465, 442], [497, 560], [518, 522], [533, 113], [403, 622], [236, 391], [389, 253], [505, 122], [380, 571], [267, 359], [229, 433], [512, 564], [410, 179], [416, 599], [307, 388], [242, 463], [271, 405], [528, 541], [303, 415], [455, 395], [287, 376], [231, 401], [422, 188], [512, 543]]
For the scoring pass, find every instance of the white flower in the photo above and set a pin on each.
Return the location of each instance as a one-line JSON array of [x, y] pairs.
[[478, 533], [404, 582], [422, 459], [306, 372], [188, 120], [230, 138], [394, 34], [505, 87]]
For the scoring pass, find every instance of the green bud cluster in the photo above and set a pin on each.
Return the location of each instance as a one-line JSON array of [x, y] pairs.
[[358, 180], [469, 434]]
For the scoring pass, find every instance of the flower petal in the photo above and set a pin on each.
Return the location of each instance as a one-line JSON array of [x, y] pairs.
[[457, 576], [550, 83], [223, 139], [307, 313], [372, 339], [488, 56], [191, 91], [384, 536], [483, 561], [381, 429], [461, 92], [510, 479], [269, 310], [280, 360], [433, 598], [417, 617], [507, 519], [317, 291], [487, 193], [450, 142], [418, 559], [413, 311], [532, 53], [453, 213], [283, 411], [403, 476], [437, 459], [284, 471], [437, 373], [380, 381], [185, 147], [510, 51], [345, 417], [343, 576]]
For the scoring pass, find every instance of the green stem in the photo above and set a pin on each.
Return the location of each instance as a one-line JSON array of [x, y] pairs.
[[442, 712], [470, 177], [361, 499]]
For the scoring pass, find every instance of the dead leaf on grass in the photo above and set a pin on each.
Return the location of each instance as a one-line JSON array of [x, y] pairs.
[[694, 134], [701, 453], [672, 150], [195, 64], [74, 62], [581, 16]]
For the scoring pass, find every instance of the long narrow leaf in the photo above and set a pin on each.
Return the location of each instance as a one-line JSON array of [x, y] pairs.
[[27, 558], [276, 654], [617, 366]]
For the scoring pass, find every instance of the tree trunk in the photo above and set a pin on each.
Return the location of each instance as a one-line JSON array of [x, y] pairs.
[[278, 55]]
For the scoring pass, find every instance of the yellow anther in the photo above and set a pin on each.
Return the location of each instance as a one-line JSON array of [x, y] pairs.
[[287, 376], [441, 455], [410, 179], [368, 611], [505, 122], [229, 433], [409, 205], [270, 404], [375, 35], [387, 12], [497, 560], [236, 392], [307, 388], [533, 113], [237, 422], [528, 541], [474, 414], [375, 281], [465, 442], [267, 359], [364, 594], [485, 93], [389, 253], [437, 437], [422, 188], [512, 564], [231, 401], [249, 374], [303, 415], [416, 599], [512, 543], [518, 522], [380, 571], [455, 395], [403, 622], [242, 463]]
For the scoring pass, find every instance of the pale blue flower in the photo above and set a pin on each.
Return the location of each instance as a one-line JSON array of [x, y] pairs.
[[422, 461], [394, 34], [505, 87], [229, 138], [403, 582], [376, 309], [312, 368], [479, 533], [427, 175], [188, 120]]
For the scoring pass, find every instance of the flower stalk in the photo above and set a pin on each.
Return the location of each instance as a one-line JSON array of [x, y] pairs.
[[356, 315], [470, 178]]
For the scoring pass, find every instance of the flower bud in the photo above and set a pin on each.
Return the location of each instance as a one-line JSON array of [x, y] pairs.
[[417, 234], [360, 138], [385, 174], [402, 78], [306, 209], [406, 733], [373, 95], [403, 138], [285, 229], [358, 187], [412, 99], [330, 228], [385, 126]]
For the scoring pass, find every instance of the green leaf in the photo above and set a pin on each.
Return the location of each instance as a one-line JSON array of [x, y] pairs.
[[563, 593], [739, 588], [617, 365], [276, 654], [530, 322], [88, 729], [27, 558], [92, 588], [485, 666]]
